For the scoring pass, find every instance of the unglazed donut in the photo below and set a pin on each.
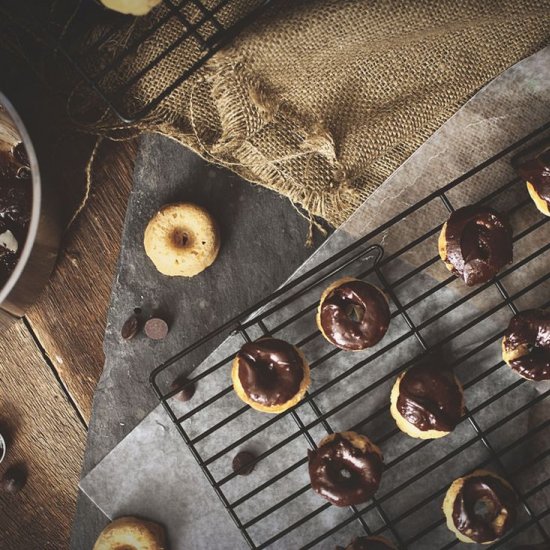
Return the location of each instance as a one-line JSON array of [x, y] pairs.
[[270, 375], [526, 344], [353, 314], [182, 240], [370, 543], [346, 468], [480, 489], [132, 7], [535, 171], [427, 401], [475, 243], [130, 533]]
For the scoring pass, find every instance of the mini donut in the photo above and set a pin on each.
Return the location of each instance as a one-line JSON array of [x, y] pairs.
[[182, 240], [270, 375], [427, 401], [131, 7], [476, 243], [526, 344], [370, 543], [346, 468], [131, 533], [480, 507], [352, 314], [535, 171]]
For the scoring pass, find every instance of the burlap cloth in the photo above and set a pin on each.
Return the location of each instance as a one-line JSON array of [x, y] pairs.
[[323, 100]]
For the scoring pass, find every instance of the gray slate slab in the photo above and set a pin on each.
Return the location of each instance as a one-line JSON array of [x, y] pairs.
[[263, 242]]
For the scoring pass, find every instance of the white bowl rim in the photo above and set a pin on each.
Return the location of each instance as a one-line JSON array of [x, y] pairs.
[[36, 199]]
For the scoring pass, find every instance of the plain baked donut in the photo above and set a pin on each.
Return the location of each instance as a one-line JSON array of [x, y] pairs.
[[130, 533], [182, 240]]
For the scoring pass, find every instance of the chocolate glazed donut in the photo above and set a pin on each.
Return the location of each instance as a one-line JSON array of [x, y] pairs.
[[536, 173], [346, 468], [353, 315], [526, 344], [476, 243], [480, 507], [427, 401], [270, 375]]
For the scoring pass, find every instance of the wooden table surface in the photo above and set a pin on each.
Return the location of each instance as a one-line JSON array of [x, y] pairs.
[[51, 360]]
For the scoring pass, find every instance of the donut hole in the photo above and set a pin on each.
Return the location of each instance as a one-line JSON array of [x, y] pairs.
[[345, 474], [342, 475], [485, 509], [354, 312], [179, 238]]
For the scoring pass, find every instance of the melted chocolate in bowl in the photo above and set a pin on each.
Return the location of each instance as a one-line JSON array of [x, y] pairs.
[[15, 206]]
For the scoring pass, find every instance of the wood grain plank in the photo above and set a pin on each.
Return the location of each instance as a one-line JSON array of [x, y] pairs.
[[45, 434], [69, 318]]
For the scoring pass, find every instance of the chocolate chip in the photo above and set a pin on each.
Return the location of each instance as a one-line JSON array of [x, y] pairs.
[[130, 327], [20, 154], [156, 328], [13, 480], [242, 463], [187, 389]]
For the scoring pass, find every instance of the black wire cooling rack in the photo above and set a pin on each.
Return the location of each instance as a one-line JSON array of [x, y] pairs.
[[274, 506], [99, 42]]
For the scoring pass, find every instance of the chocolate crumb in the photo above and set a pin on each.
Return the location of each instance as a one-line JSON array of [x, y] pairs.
[[187, 390], [20, 154], [137, 310], [13, 480], [242, 463], [156, 328], [130, 327]]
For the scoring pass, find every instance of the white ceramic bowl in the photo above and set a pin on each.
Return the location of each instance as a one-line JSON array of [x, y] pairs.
[[40, 248]]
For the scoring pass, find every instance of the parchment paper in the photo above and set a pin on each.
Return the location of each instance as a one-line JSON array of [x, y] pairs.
[[152, 473]]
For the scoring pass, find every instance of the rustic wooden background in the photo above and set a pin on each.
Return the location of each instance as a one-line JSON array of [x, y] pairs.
[[50, 361]]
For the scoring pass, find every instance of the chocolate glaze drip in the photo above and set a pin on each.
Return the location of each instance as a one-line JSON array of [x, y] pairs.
[[344, 474], [530, 328], [536, 170], [355, 315], [478, 243], [497, 497], [270, 371], [369, 543], [15, 205], [429, 398]]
